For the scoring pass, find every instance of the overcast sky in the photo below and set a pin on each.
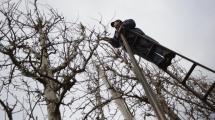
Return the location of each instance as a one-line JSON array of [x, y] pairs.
[[185, 26]]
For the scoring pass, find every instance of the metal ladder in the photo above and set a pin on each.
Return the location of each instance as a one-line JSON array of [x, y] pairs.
[[141, 78], [204, 97]]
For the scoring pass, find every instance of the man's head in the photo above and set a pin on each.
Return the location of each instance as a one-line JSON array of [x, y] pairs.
[[116, 24]]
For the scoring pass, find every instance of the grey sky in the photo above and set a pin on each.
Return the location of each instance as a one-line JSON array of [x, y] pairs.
[[185, 26]]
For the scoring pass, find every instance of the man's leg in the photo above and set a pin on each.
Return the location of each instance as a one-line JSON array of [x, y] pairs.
[[157, 59], [163, 51], [158, 55], [167, 55], [143, 51]]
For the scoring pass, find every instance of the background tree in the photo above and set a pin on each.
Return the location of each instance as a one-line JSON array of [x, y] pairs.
[[49, 70], [41, 52]]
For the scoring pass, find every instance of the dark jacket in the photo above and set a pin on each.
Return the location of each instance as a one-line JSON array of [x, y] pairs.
[[138, 44]]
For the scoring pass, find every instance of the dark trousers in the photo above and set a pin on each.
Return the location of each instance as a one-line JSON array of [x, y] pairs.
[[156, 55]]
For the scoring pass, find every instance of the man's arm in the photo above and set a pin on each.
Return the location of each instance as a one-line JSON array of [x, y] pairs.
[[113, 41]]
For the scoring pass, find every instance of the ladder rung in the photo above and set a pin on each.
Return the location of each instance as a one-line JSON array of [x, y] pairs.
[[188, 74], [150, 50], [208, 92]]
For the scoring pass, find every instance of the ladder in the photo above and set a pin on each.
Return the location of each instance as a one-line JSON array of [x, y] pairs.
[[141, 78], [183, 82]]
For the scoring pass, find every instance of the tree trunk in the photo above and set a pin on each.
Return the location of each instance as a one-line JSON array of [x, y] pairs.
[[115, 95], [100, 113], [50, 86], [52, 103]]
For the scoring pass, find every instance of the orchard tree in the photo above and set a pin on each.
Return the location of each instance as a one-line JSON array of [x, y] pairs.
[[41, 55]]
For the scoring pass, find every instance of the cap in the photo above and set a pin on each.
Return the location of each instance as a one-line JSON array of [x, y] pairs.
[[112, 23]]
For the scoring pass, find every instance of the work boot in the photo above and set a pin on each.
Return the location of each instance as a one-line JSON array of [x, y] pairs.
[[168, 58], [169, 55], [166, 61], [162, 65]]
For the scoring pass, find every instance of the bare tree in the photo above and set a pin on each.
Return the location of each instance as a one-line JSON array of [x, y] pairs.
[[43, 48]]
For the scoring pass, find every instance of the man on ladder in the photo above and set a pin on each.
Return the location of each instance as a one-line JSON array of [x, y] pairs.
[[134, 41], [145, 47]]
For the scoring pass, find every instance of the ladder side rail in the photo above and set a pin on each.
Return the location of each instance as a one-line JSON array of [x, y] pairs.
[[149, 93], [208, 92], [152, 40], [191, 90]]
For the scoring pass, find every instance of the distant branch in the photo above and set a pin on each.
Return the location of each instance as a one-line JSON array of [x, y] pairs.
[[7, 109]]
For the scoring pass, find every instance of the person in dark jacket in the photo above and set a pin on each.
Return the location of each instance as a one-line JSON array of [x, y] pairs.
[[145, 47]]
